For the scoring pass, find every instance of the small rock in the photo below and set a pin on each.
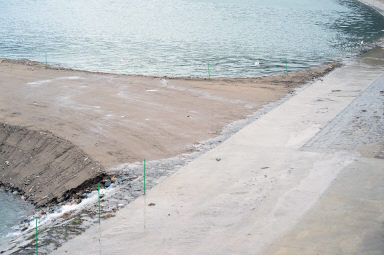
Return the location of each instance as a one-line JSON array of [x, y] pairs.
[[107, 184], [65, 215], [23, 198], [218, 159], [151, 204], [265, 167], [15, 192], [68, 203], [107, 215], [265, 176], [364, 110], [113, 179]]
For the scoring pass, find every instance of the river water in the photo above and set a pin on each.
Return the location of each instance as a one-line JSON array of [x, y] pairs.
[[181, 37], [12, 211]]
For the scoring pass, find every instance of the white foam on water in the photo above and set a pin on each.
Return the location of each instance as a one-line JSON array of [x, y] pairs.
[[73, 208]]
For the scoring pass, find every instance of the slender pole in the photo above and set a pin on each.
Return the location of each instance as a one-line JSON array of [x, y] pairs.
[[37, 240], [98, 188], [209, 73], [144, 176]]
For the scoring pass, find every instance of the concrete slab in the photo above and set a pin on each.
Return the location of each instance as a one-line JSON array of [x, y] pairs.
[[348, 219]]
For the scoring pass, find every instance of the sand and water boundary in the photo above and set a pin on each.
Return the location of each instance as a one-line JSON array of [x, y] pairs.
[[229, 99]]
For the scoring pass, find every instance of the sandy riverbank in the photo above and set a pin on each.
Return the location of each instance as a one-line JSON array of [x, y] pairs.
[[117, 119]]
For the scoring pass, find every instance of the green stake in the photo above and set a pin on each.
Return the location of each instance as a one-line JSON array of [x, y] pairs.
[[98, 188], [37, 240], [46, 62], [144, 176]]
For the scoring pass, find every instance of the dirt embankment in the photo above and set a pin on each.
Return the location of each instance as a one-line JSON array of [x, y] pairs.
[[114, 119], [125, 118], [43, 167]]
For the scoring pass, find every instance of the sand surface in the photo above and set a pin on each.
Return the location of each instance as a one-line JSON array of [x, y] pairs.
[[118, 118], [241, 196]]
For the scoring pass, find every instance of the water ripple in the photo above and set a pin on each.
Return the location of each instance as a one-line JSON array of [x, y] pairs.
[[180, 37]]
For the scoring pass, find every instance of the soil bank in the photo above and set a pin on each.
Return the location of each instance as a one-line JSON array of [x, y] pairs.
[[59, 123], [42, 166]]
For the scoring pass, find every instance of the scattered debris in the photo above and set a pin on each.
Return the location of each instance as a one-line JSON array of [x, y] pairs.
[[106, 216]]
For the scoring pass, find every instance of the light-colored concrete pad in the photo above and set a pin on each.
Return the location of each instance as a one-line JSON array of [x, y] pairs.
[[348, 219]]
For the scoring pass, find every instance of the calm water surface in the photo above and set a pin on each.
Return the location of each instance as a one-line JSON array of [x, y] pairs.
[[12, 211], [180, 37]]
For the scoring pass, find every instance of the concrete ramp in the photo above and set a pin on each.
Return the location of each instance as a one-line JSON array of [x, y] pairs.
[[244, 195]]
